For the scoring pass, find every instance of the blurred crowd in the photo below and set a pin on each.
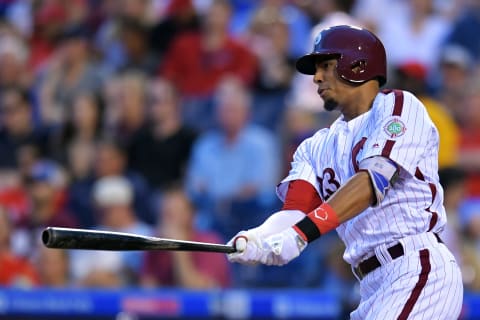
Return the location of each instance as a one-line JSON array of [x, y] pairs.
[[177, 118]]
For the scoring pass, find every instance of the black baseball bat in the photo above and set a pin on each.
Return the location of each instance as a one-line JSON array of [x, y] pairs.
[[70, 238]]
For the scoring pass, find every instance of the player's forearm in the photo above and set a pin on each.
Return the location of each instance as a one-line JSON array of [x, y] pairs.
[[353, 197], [279, 221], [350, 200]]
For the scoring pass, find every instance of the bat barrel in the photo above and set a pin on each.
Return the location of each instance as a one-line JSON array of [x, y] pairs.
[[69, 238], [65, 238], [61, 238]]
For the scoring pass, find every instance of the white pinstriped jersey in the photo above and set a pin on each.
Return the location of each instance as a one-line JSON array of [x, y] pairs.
[[398, 127]]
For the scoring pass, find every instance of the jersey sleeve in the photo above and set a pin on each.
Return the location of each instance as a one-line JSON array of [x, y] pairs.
[[403, 131], [302, 167]]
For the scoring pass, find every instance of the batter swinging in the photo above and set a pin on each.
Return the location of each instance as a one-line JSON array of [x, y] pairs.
[[372, 176]]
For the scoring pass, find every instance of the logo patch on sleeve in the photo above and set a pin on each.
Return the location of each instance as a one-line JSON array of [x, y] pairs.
[[394, 128]]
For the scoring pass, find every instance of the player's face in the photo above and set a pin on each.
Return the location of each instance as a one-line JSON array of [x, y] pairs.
[[331, 88]]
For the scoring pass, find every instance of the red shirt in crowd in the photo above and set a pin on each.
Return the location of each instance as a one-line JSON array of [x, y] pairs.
[[16, 271], [197, 72], [159, 264]]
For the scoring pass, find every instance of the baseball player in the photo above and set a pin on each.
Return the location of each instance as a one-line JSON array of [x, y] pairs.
[[372, 176]]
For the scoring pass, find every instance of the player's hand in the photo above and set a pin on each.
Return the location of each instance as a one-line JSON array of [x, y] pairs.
[[283, 247], [248, 246], [277, 249]]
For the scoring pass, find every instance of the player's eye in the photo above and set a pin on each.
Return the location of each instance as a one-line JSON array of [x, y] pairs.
[[323, 65], [327, 65]]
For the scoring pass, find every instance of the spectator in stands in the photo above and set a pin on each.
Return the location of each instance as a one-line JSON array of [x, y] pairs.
[[194, 270], [17, 128], [53, 267], [137, 10], [372, 13], [80, 160], [110, 159], [45, 189], [180, 17], [13, 194], [126, 105], [411, 30], [298, 25], [464, 31], [197, 62], [13, 63], [318, 11], [469, 213], [113, 197], [469, 155], [268, 39], [15, 271], [95, 269], [297, 20], [160, 151], [134, 35], [107, 39], [233, 168], [412, 77], [48, 20], [70, 70], [83, 124], [78, 12], [456, 70], [19, 15], [80, 165], [27, 156], [45, 206]]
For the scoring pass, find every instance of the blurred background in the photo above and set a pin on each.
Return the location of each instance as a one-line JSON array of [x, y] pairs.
[[177, 118]]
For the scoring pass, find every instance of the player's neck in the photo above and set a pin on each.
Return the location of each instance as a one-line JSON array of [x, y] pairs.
[[360, 101]]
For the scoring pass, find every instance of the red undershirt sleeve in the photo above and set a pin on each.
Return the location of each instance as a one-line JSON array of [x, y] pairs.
[[302, 196]]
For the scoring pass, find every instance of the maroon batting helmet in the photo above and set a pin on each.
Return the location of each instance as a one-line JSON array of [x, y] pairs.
[[361, 55]]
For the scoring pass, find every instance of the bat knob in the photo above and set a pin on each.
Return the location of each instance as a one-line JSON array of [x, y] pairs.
[[240, 243]]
